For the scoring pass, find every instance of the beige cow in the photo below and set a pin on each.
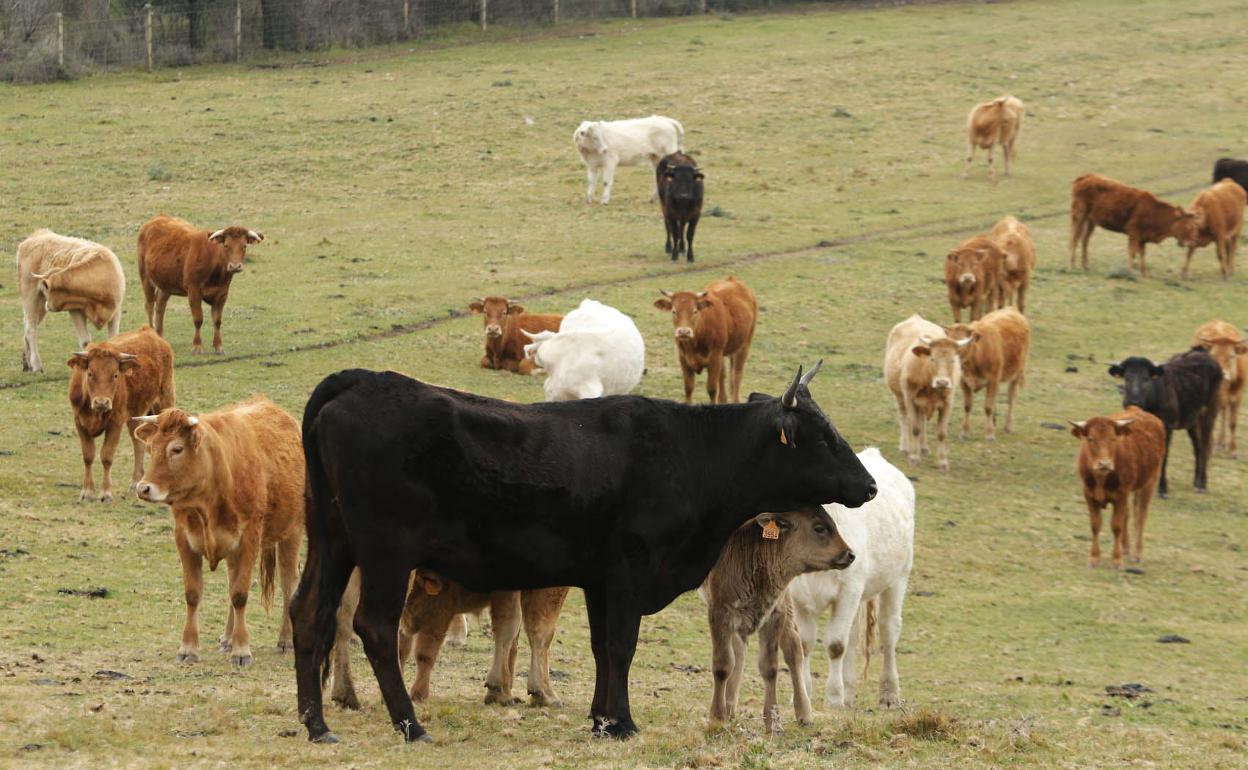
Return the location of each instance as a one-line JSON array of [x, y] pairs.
[[991, 123], [1014, 240], [923, 370]]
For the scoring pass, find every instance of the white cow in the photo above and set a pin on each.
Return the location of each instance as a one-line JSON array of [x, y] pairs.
[[881, 534], [605, 144], [597, 351]]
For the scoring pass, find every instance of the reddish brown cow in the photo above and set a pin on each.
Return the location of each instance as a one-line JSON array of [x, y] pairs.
[[1119, 457], [996, 355], [1218, 218], [1230, 350], [1098, 201], [178, 259], [505, 324], [234, 481], [131, 375], [973, 276], [712, 324]]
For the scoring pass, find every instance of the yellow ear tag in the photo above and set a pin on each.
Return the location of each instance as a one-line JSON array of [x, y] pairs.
[[771, 530], [783, 438]]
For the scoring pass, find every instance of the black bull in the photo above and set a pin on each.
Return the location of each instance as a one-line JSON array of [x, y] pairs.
[[630, 498]]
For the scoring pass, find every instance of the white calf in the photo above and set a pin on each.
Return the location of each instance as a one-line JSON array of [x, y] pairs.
[[605, 144], [597, 351]]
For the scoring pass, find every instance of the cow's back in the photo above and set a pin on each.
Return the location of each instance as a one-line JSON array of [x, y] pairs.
[[1194, 378], [1011, 333], [1221, 208], [149, 387], [263, 442], [1141, 450], [1108, 203], [166, 245], [741, 311], [1015, 241]]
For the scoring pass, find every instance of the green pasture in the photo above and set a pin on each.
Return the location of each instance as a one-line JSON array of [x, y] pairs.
[[396, 184]]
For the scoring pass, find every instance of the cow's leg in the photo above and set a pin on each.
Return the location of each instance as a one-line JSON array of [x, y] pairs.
[[622, 626], [343, 692], [427, 644], [1230, 419], [288, 572], [33, 311], [723, 663], [837, 639], [608, 180], [1143, 497], [383, 585], [990, 409], [914, 425], [218, 307], [149, 300], [739, 648], [968, 401], [139, 448], [80, 328], [903, 423], [795, 658], [738, 370], [888, 621], [1007, 154], [1118, 523], [693, 226], [457, 633], [1188, 261], [1094, 519], [992, 171], [1076, 232], [195, 297], [162, 300], [505, 619], [715, 377], [1011, 396], [87, 442], [806, 631], [239, 567], [942, 433], [592, 173], [595, 608], [1139, 248], [1163, 489], [769, 669], [673, 239], [112, 437], [193, 586], [541, 610], [687, 374]]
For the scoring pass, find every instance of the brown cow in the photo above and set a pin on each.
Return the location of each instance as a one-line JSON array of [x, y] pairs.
[[1119, 457], [131, 375], [747, 592], [1014, 240], [505, 324], [973, 273], [1230, 350], [996, 355], [178, 259], [922, 369], [712, 324], [1218, 218], [234, 481], [991, 123], [1098, 201]]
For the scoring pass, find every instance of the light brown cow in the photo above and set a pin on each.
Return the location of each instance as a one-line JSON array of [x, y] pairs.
[[991, 123], [973, 273], [1218, 218], [505, 324], [131, 375], [234, 481], [1230, 350], [55, 273], [1098, 201], [996, 356], [1119, 458], [178, 259], [923, 370], [1014, 240], [711, 325]]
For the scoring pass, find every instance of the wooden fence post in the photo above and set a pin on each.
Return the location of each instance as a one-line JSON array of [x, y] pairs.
[[632, 7], [703, 4], [60, 39], [147, 33], [555, 14], [238, 30], [485, 9], [407, 15]]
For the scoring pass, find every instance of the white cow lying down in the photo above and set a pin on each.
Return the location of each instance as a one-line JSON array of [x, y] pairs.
[[605, 144], [596, 352], [881, 534]]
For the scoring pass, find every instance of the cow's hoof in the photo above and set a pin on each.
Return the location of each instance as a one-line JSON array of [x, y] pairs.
[[608, 727], [890, 700], [187, 657], [242, 661], [106, 497], [496, 697], [325, 737], [284, 646], [223, 645], [1094, 563], [198, 351], [1164, 495], [85, 495], [219, 351], [541, 700], [944, 466], [1200, 490], [348, 701]]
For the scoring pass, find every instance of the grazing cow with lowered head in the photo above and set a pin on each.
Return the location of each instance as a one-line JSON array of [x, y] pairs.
[[1183, 392], [923, 370], [1120, 458], [991, 123], [55, 273], [711, 325], [596, 352], [1230, 168], [1098, 201], [178, 259], [996, 356], [1019, 260], [505, 324], [681, 188], [131, 375], [973, 273], [605, 144], [629, 498], [1218, 219], [234, 481], [866, 596], [1230, 351]]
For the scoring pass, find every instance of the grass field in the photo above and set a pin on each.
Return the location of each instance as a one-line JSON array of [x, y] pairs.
[[396, 185]]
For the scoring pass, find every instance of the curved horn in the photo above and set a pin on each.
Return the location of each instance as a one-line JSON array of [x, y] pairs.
[[924, 339], [1080, 425], [700, 294], [789, 399], [253, 234], [806, 378], [38, 276], [127, 357], [149, 419], [81, 354], [1125, 423], [192, 421], [965, 342], [666, 293], [218, 234]]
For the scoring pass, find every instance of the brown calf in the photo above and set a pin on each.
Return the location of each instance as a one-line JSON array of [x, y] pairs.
[[973, 276], [178, 259], [1014, 240], [131, 375], [234, 481], [1218, 217], [922, 369], [1098, 201], [991, 123], [996, 355], [712, 324], [1230, 350], [505, 324], [1119, 457]]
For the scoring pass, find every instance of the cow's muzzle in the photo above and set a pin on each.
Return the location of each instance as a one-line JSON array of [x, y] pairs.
[[967, 279], [234, 267], [493, 331], [146, 490], [102, 404], [843, 560], [1103, 466], [684, 333], [942, 383]]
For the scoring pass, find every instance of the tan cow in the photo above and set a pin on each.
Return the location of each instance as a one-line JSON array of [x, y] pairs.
[[505, 324], [1230, 350], [1219, 217], [234, 481], [131, 375], [991, 123], [55, 273], [923, 370], [711, 325], [996, 355], [1098, 201], [974, 272], [1014, 240]]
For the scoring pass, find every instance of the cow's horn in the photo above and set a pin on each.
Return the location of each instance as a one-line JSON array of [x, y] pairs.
[[38, 276], [811, 374], [256, 235], [700, 294], [218, 234], [192, 421], [149, 419], [924, 339], [127, 356], [1080, 425], [81, 354], [965, 342], [1125, 423], [789, 399], [666, 293]]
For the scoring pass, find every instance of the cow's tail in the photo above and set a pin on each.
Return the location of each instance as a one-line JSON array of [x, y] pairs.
[[868, 621], [680, 134], [268, 568]]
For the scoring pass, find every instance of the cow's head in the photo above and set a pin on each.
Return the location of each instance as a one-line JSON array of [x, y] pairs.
[[1100, 435], [807, 538], [686, 307], [235, 240], [1139, 379], [588, 137], [965, 334], [1226, 351], [56, 295], [103, 370], [943, 355], [496, 311], [967, 267], [1185, 226], [177, 465], [683, 182]]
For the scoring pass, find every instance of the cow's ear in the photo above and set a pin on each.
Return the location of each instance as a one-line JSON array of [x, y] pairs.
[[952, 256], [772, 524], [1116, 371], [921, 350], [78, 360], [1156, 371], [703, 304], [1078, 429], [476, 306], [1122, 427], [127, 362], [193, 433], [514, 308], [663, 303], [759, 397], [144, 431], [1241, 347]]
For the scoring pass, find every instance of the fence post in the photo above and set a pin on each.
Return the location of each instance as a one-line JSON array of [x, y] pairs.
[[632, 7], [238, 30], [147, 33], [407, 15], [556, 12], [703, 4], [485, 8], [60, 39]]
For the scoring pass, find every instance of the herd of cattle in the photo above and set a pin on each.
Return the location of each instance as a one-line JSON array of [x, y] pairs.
[[422, 503]]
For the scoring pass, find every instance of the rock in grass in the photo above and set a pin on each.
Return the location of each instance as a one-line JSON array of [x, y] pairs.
[[1173, 639]]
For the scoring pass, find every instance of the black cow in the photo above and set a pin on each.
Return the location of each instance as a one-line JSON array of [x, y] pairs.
[[630, 498], [680, 185], [1230, 168], [1183, 392]]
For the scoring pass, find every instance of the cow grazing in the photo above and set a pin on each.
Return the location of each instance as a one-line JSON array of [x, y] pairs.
[[1230, 168], [1230, 351], [605, 144], [629, 498], [1218, 217], [745, 593], [131, 375], [681, 187], [711, 325], [1183, 392], [1120, 458], [993, 123], [597, 351], [923, 370], [1098, 201], [55, 273], [178, 259], [996, 356], [505, 324], [973, 276], [234, 481], [867, 595], [1014, 240]]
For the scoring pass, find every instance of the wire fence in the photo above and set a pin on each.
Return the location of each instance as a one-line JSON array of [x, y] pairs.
[[42, 40]]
